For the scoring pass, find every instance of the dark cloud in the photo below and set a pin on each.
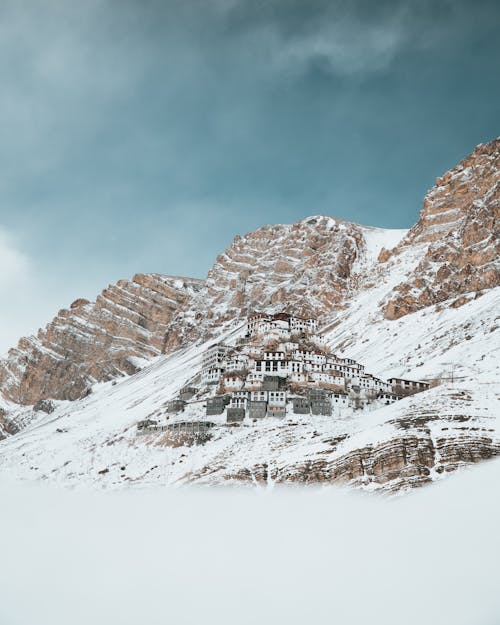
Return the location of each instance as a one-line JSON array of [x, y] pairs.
[[141, 136]]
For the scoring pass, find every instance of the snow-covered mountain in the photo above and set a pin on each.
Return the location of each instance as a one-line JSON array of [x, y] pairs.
[[95, 341], [422, 304]]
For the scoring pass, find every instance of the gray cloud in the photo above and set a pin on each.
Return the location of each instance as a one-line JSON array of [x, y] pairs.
[[345, 46], [141, 136]]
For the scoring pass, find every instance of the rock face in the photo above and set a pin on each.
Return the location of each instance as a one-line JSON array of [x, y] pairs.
[[7, 426], [305, 266], [95, 341], [459, 223], [399, 464], [420, 445], [311, 267]]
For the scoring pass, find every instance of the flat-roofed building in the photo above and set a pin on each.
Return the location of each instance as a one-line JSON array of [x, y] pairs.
[[239, 399], [175, 405], [216, 405], [301, 405], [388, 398], [232, 381], [401, 386], [321, 407], [276, 398], [187, 392], [235, 415], [211, 376], [258, 396], [257, 409]]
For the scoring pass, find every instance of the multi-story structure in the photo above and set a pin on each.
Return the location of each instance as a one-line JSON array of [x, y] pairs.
[[259, 373], [258, 395], [262, 324], [216, 405], [328, 377], [274, 367], [401, 386], [301, 405], [214, 356], [388, 398], [276, 403], [187, 392], [212, 376], [231, 381], [239, 399]]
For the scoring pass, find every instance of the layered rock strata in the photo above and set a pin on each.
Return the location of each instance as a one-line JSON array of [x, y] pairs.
[[304, 267], [95, 341], [460, 225]]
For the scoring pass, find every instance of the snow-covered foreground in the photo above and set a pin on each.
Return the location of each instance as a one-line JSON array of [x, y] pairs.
[[242, 556]]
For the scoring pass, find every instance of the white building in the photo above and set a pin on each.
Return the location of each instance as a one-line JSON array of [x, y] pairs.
[[258, 395], [238, 363], [272, 367], [300, 324], [211, 376], [295, 366], [299, 377], [316, 358], [313, 366], [388, 398], [366, 381], [346, 370], [232, 382], [276, 398], [319, 339], [261, 324], [340, 400], [274, 355], [328, 377], [214, 357], [252, 322], [254, 379], [239, 399]]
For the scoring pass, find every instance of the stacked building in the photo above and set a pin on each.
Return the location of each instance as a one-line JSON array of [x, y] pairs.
[[283, 362]]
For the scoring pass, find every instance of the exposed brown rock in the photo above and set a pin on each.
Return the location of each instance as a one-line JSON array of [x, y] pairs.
[[79, 302], [305, 267], [7, 426], [384, 255], [459, 223], [403, 462], [92, 342]]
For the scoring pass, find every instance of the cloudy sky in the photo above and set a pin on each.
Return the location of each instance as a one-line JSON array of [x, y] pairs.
[[143, 135]]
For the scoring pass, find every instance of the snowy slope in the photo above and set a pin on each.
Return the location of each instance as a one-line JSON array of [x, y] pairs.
[[94, 440], [225, 557]]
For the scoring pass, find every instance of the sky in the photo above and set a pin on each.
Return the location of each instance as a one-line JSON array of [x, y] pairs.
[[280, 556], [140, 136]]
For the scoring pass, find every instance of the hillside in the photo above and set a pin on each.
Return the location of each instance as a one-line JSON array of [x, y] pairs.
[[95, 341], [460, 224], [421, 438], [420, 304]]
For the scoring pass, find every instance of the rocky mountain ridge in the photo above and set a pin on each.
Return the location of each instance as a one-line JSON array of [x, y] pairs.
[[95, 442], [460, 225], [318, 265], [95, 341], [421, 304], [304, 267]]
